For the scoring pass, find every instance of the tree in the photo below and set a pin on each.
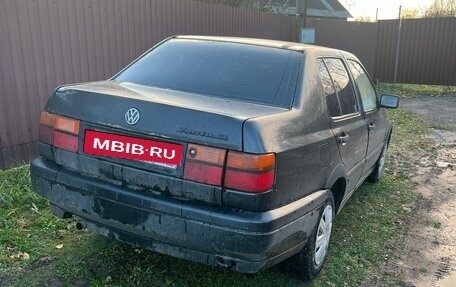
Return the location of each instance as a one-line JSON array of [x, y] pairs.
[[411, 13], [274, 6], [252, 4], [441, 8], [363, 19]]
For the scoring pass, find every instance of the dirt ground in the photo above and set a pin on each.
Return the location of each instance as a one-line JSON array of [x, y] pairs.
[[426, 257]]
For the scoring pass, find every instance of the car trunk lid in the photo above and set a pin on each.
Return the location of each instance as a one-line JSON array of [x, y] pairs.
[[165, 114]]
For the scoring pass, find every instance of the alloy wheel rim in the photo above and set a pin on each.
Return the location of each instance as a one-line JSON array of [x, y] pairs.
[[323, 235]]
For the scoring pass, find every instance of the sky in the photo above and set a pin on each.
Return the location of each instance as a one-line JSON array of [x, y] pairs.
[[387, 9]]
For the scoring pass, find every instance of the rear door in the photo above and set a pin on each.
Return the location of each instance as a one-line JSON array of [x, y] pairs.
[[375, 118], [347, 121]]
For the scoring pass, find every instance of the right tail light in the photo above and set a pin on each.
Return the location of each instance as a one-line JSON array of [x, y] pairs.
[[250, 172]]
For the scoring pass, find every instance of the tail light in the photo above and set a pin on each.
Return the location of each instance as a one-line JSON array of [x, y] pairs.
[[46, 133], [235, 170], [59, 131], [250, 172], [204, 164]]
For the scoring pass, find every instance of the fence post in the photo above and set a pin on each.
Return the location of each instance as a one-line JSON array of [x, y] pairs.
[[301, 18], [398, 46]]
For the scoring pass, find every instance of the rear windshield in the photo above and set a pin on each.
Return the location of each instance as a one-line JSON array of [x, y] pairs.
[[229, 70]]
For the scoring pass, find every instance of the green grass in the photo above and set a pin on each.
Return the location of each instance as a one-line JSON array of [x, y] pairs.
[[364, 232], [25, 222], [407, 142], [407, 90]]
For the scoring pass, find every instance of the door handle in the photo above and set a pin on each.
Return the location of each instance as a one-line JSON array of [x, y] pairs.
[[371, 126], [343, 138]]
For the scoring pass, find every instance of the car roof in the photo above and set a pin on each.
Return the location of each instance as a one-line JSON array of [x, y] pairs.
[[259, 42]]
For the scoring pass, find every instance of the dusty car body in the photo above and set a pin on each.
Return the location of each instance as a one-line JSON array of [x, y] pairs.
[[230, 152]]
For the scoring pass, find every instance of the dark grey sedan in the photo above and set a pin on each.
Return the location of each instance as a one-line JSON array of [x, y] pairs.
[[230, 152]]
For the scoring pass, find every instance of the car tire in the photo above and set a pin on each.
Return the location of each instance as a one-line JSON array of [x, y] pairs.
[[379, 167], [310, 260]]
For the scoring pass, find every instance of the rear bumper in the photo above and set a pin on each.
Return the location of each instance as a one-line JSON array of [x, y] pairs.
[[244, 241]]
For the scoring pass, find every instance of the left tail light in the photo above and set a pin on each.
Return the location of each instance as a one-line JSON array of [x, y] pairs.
[[59, 131], [253, 173]]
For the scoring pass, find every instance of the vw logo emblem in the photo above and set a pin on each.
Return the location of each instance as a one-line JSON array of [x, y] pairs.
[[132, 116]]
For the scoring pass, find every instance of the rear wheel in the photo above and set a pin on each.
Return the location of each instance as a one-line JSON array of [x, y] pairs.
[[379, 166], [309, 261]]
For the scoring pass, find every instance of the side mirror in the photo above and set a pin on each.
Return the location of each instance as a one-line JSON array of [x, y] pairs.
[[389, 101]]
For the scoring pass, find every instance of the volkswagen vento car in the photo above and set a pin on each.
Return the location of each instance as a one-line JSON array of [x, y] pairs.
[[230, 152]]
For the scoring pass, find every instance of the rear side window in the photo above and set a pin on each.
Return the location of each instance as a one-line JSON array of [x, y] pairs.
[[331, 96], [364, 85], [340, 96], [222, 69], [343, 85]]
